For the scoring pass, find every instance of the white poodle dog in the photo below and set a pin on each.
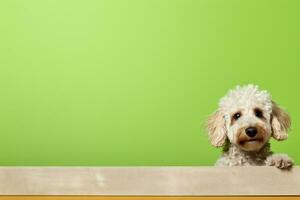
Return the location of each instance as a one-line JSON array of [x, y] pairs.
[[245, 121]]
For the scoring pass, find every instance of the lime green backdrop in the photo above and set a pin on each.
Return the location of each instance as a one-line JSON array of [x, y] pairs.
[[130, 82]]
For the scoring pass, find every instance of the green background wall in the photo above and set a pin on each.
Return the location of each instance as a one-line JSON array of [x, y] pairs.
[[130, 82]]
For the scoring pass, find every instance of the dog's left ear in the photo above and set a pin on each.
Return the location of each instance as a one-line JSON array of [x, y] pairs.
[[280, 122]]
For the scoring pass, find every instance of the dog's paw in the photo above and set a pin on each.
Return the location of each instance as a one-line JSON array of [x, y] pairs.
[[280, 161]]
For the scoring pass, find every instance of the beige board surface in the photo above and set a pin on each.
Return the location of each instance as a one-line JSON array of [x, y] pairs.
[[143, 181]]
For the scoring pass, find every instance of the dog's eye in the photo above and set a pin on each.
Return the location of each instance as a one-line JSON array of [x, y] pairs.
[[236, 116], [258, 113]]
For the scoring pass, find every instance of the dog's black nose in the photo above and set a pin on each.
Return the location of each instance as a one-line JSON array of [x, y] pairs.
[[251, 131]]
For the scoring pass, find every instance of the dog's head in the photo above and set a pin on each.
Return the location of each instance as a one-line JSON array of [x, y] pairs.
[[248, 118]]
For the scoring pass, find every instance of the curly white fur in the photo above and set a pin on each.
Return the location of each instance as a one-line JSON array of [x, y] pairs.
[[243, 108]]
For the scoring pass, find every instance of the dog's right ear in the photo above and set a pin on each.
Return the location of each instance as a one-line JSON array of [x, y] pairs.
[[217, 129]]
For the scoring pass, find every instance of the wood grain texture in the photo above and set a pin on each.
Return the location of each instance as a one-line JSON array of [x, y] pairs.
[[143, 181], [145, 198]]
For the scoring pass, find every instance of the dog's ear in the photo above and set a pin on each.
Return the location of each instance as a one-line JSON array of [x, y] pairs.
[[280, 122], [216, 129]]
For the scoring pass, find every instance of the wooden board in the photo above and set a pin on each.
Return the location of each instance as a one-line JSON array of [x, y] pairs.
[[148, 181], [146, 198]]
